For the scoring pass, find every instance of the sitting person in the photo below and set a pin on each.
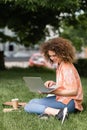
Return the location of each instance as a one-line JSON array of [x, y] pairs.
[[68, 95]]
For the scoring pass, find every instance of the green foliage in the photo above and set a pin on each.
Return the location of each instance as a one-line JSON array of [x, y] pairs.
[[74, 35], [76, 30], [33, 4], [28, 18]]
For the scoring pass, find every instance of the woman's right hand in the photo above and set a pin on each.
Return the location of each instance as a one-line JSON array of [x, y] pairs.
[[49, 83]]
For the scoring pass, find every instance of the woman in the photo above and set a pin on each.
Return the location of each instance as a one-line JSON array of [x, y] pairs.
[[68, 95]]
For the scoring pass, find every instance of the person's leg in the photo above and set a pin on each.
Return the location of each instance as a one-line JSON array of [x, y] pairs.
[[45, 105], [53, 111], [38, 105], [34, 106]]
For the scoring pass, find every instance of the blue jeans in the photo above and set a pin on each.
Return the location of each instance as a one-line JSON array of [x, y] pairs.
[[38, 106]]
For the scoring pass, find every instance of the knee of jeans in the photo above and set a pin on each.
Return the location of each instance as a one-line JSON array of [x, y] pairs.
[[33, 101], [27, 107]]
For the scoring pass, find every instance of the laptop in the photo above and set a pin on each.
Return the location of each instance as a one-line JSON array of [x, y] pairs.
[[36, 84]]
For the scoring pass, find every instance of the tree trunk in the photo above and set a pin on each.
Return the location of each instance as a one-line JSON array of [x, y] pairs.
[[2, 66]]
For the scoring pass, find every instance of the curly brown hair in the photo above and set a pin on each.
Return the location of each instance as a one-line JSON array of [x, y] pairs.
[[63, 48]]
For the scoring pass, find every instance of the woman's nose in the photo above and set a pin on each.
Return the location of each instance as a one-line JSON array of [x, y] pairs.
[[51, 57]]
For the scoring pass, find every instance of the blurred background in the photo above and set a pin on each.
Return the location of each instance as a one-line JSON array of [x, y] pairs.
[[25, 24]]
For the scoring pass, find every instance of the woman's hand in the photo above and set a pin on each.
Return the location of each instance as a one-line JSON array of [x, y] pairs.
[[49, 83]]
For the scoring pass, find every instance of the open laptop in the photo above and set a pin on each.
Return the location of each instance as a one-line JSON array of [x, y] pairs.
[[35, 84]]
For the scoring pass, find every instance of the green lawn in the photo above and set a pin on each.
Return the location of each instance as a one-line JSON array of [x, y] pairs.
[[13, 86]]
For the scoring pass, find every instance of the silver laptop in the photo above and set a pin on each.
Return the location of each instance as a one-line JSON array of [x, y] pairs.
[[35, 84]]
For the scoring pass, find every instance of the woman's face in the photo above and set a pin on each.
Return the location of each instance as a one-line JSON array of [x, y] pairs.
[[54, 57]]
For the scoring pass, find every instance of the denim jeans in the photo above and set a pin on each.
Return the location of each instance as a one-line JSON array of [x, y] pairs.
[[38, 106]]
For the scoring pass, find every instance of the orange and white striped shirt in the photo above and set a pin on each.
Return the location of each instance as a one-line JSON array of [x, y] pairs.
[[68, 78]]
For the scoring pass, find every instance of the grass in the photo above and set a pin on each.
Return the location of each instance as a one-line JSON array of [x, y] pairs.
[[13, 86]]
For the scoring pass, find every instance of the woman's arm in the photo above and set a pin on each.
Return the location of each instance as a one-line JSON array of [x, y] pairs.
[[65, 92]]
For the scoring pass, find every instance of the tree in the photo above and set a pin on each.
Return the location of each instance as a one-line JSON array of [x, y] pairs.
[[28, 18], [77, 32]]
